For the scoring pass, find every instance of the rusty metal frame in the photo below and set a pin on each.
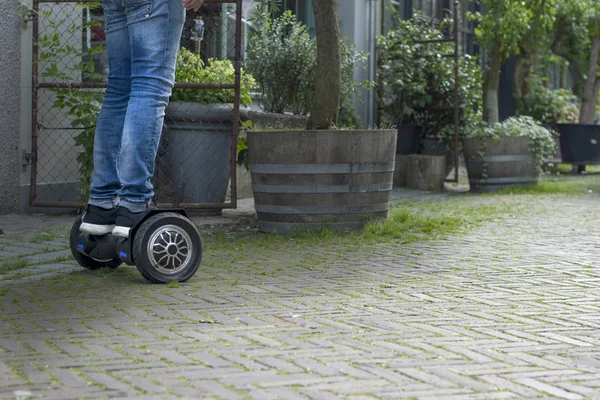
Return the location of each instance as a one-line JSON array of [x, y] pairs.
[[455, 108], [101, 85]]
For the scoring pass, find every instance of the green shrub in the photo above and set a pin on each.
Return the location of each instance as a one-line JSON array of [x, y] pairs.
[[542, 139], [282, 57], [549, 106], [191, 69]]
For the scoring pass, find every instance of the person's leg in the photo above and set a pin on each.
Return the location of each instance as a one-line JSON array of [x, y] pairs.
[[100, 215], [155, 28]]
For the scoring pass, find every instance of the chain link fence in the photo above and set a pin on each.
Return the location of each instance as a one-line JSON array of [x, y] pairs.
[[195, 166]]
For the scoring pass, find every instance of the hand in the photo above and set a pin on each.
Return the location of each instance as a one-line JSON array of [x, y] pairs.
[[192, 4]]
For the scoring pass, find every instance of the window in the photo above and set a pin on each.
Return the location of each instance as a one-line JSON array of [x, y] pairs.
[[428, 8], [304, 11]]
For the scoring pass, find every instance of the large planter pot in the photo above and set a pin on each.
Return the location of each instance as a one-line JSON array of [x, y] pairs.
[[409, 139], [198, 152], [579, 144], [506, 163], [263, 119], [308, 179]]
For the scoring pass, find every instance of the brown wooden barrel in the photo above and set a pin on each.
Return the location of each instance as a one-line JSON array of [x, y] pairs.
[[506, 163], [308, 179]]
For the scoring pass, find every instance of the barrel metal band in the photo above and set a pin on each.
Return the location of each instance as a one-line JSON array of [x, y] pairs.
[[516, 179], [509, 158], [322, 168], [381, 187], [291, 210]]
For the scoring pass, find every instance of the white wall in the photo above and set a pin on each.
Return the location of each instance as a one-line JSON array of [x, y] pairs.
[[354, 20]]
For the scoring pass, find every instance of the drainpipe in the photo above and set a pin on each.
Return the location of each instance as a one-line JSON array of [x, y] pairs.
[[372, 59]]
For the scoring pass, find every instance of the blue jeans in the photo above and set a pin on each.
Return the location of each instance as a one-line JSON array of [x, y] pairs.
[[142, 41]]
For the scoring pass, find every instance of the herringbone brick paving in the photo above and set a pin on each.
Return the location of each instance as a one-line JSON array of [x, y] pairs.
[[509, 309]]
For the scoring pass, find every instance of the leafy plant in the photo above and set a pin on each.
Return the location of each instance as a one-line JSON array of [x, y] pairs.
[[282, 57], [542, 139], [352, 59], [265, 10], [549, 106], [417, 81], [191, 69]]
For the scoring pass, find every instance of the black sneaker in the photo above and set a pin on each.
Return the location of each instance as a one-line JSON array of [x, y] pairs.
[[126, 220], [98, 221]]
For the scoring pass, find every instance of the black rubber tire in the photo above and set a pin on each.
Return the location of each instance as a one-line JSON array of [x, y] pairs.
[[143, 236], [84, 261]]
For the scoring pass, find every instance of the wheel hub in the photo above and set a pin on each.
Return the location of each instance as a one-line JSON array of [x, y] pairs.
[[170, 249]]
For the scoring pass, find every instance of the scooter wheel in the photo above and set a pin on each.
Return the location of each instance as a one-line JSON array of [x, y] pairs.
[[167, 247], [83, 260]]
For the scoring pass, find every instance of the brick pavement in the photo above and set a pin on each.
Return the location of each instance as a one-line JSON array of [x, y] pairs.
[[508, 310]]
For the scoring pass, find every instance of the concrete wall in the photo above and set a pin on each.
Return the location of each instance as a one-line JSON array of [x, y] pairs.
[[11, 21]]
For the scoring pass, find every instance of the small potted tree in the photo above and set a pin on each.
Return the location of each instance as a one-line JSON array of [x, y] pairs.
[[551, 107], [322, 176]]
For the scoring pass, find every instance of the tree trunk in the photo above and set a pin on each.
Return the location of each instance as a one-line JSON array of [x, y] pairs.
[[326, 100], [491, 81], [590, 92]]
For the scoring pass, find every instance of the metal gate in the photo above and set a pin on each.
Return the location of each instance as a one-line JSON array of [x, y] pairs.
[[196, 164]]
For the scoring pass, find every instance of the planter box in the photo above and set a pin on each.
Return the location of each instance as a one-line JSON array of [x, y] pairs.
[[308, 179], [434, 147], [579, 144], [507, 163]]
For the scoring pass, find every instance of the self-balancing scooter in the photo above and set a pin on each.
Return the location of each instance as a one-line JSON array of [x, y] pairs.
[[164, 246]]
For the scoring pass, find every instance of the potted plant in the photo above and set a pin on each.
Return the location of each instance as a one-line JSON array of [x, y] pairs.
[[416, 88], [577, 40], [282, 57], [196, 150], [506, 154], [322, 176], [551, 108]]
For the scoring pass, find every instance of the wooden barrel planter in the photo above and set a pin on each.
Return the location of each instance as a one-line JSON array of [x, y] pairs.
[[506, 163], [310, 179]]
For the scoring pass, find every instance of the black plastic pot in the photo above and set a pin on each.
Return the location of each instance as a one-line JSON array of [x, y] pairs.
[[579, 143], [409, 139]]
